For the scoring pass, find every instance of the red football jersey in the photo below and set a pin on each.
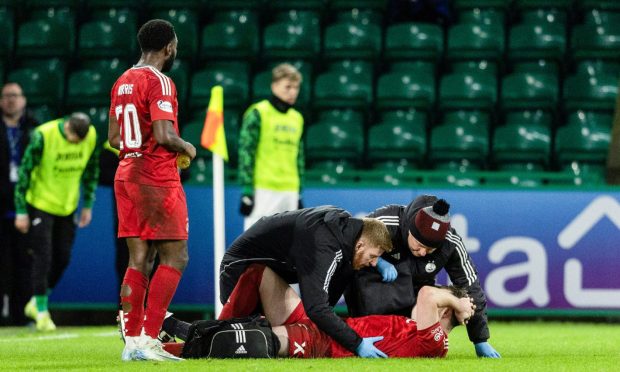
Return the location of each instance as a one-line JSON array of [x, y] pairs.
[[140, 96], [401, 337]]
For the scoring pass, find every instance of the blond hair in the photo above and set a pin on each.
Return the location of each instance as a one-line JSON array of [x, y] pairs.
[[377, 234], [285, 71]]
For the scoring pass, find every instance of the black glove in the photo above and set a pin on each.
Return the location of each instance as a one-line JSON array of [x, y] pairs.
[[300, 204], [246, 205]]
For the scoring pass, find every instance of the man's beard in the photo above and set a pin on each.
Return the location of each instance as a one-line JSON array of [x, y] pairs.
[[168, 64]]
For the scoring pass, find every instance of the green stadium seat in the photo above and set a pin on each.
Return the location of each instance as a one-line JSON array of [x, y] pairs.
[[179, 73], [490, 17], [34, 4], [348, 66], [590, 118], [402, 89], [191, 132], [598, 37], [537, 40], [99, 4], [560, 4], [234, 4], [40, 85], [524, 91], [584, 173], [291, 40], [588, 143], [123, 16], [105, 39], [59, 14], [475, 66], [89, 87], [409, 117], [538, 66], [361, 4], [483, 4], [200, 172], [113, 66], [331, 172], [334, 141], [519, 174], [456, 173], [393, 173], [589, 89], [468, 90], [360, 15], [600, 4], [2, 71], [185, 23], [352, 40], [413, 41], [522, 143], [43, 113], [453, 141], [598, 66], [474, 41], [6, 29], [341, 89], [232, 76], [165, 5], [467, 117], [230, 39], [345, 115], [537, 117], [45, 38], [545, 15], [394, 141], [315, 5]]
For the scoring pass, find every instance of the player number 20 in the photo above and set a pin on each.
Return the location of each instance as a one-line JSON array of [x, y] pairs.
[[132, 137]]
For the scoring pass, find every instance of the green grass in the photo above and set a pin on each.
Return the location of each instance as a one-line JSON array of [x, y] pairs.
[[525, 346]]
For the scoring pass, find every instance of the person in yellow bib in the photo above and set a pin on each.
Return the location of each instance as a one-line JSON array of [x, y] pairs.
[[271, 154], [61, 156]]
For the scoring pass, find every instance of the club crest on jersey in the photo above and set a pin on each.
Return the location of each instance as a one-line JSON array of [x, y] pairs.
[[430, 267], [437, 333], [164, 105]]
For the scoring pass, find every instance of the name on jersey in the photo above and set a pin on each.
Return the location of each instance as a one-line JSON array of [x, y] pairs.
[[69, 156], [125, 89], [164, 105], [132, 155]]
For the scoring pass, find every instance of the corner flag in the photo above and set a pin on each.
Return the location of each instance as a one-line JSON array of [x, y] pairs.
[[213, 137]]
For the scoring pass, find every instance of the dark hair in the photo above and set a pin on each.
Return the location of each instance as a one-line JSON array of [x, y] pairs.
[[155, 34], [80, 124], [458, 292]]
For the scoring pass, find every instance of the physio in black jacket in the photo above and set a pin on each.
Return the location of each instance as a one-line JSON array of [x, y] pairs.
[[424, 243], [319, 248]]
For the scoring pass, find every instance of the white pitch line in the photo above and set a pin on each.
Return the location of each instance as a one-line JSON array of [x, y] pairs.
[[107, 334], [62, 336]]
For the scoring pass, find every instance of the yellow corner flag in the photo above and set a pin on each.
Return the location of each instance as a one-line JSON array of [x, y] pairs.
[[213, 137]]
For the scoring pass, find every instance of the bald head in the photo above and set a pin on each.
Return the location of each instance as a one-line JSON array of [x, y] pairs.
[[79, 123]]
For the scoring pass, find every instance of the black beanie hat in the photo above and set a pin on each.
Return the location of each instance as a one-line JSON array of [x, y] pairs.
[[431, 224]]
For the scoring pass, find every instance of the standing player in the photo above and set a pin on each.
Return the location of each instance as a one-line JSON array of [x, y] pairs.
[[423, 334], [152, 210]]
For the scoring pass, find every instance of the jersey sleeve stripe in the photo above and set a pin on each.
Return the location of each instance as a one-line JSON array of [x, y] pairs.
[[465, 263]]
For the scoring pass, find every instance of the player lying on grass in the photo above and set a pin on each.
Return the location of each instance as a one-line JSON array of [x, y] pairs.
[[286, 331]]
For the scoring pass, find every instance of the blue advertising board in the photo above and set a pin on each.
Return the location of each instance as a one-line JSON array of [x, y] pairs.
[[534, 249]]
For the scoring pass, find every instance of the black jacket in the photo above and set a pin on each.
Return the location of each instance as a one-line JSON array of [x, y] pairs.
[[313, 247], [369, 295], [27, 123]]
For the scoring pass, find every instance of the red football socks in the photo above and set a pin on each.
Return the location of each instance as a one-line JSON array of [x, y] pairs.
[[133, 291], [245, 297], [163, 286]]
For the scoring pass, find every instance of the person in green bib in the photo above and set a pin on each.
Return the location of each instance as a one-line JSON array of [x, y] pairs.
[[61, 156], [271, 154]]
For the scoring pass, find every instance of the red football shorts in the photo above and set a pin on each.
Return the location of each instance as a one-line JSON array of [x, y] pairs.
[[305, 340], [151, 212]]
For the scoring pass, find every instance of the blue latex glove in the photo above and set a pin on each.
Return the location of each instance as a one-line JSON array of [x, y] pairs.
[[387, 270], [367, 348], [485, 350]]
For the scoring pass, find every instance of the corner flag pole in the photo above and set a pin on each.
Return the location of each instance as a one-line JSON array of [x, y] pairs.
[[213, 138]]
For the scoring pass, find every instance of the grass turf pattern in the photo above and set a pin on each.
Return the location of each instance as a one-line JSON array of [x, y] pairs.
[[525, 346]]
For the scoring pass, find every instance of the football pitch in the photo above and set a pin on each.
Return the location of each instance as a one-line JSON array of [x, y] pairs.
[[525, 346]]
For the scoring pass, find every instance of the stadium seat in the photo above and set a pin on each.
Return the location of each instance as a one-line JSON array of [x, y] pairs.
[[474, 41], [123, 16], [334, 141], [405, 88], [234, 38], [360, 15], [291, 40], [348, 66], [590, 89], [45, 38], [2, 71], [413, 41], [584, 173], [537, 40], [57, 13], [598, 37], [191, 132], [6, 29], [475, 66], [456, 173], [361, 4], [588, 118], [89, 87], [232, 76], [35, 4], [600, 4], [331, 172], [559, 4], [185, 23], [179, 73], [43, 113], [490, 17], [598, 66], [164, 5], [234, 4], [456, 141], [101, 39], [40, 85], [408, 117], [468, 90], [101, 4], [343, 89], [345, 115], [484, 4], [524, 91], [315, 5], [544, 14], [522, 143], [537, 66], [352, 40], [519, 174], [395, 141], [200, 171], [537, 117], [467, 117], [393, 173], [588, 143], [112, 66]]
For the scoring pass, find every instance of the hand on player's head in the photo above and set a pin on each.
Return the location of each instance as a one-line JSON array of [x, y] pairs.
[[465, 309]]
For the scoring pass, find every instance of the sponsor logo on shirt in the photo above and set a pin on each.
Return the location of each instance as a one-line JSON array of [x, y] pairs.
[[164, 105], [437, 333], [430, 267]]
